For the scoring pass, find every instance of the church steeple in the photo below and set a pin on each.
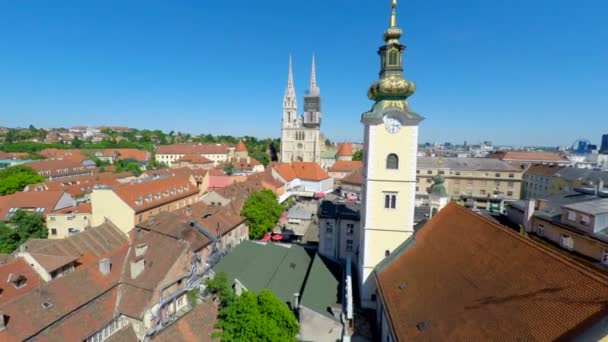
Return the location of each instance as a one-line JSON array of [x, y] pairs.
[[392, 89], [312, 100], [290, 100], [313, 89]]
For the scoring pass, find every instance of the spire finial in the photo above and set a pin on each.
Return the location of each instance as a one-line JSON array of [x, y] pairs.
[[313, 78], [393, 13], [290, 74]]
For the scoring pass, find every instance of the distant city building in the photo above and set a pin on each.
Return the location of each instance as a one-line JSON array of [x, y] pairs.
[[216, 152], [301, 137], [604, 145], [527, 158], [537, 180], [481, 182]]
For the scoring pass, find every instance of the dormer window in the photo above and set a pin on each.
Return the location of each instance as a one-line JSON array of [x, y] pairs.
[[166, 193], [17, 280], [157, 196], [149, 198]]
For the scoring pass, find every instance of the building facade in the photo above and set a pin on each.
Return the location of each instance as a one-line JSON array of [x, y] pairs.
[[339, 228], [301, 137], [389, 165], [480, 182]]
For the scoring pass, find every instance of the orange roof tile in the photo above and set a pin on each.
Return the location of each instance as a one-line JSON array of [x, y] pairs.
[[301, 170], [196, 325], [16, 267], [149, 194], [354, 178], [345, 150], [345, 166], [47, 200], [469, 279], [240, 147], [193, 159], [543, 169]]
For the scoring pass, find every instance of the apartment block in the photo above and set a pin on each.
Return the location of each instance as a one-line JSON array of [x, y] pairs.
[[480, 182]]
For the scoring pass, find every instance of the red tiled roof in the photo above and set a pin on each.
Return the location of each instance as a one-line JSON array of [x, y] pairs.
[[354, 178], [247, 163], [120, 153], [200, 148], [60, 167], [529, 156], [196, 325], [155, 193], [467, 278], [74, 291], [16, 267], [240, 147], [543, 169], [80, 185], [309, 171], [301, 170], [218, 182], [345, 150], [47, 200], [82, 208], [193, 159], [345, 166]]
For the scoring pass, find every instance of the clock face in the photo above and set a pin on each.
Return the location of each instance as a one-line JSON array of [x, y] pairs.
[[300, 145], [392, 125]]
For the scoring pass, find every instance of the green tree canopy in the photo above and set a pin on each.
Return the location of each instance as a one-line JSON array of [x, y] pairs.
[[15, 178], [21, 227], [251, 317], [261, 211], [229, 169], [358, 155]]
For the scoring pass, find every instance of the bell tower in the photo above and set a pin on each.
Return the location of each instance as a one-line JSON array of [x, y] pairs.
[[389, 165]]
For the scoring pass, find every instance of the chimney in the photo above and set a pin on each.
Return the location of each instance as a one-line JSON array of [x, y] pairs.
[[137, 267], [188, 210], [104, 266], [599, 187], [528, 213], [140, 249], [296, 301]]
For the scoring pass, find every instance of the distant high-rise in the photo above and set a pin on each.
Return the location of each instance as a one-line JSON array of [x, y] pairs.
[[604, 147]]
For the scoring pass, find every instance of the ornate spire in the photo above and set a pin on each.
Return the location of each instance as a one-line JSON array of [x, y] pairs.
[[290, 75], [391, 91], [289, 100], [313, 89]]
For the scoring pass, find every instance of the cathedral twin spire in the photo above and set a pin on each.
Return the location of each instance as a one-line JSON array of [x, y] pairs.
[[289, 100]]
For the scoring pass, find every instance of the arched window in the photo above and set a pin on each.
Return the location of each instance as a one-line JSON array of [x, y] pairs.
[[392, 162]]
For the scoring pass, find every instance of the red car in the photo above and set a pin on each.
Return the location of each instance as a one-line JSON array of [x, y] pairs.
[[277, 237], [266, 237]]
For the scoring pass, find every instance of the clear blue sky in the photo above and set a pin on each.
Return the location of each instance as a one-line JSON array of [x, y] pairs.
[[515, 72]]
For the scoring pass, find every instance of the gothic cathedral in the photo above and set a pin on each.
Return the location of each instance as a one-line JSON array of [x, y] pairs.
[[301, 137], [390, 138]]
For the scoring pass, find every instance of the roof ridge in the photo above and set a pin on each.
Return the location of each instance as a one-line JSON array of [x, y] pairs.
[[595, 275]]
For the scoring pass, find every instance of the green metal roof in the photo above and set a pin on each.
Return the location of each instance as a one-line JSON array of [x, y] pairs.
[[323, 287], [278, 268]]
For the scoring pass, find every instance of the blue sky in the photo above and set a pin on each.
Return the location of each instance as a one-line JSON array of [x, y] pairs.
[[516, 72]]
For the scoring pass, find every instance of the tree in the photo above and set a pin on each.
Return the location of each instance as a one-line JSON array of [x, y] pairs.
[[77, 143], [229, 169], [358, 155], [261, 211], [251, 317], [21, 227], [15, 178]]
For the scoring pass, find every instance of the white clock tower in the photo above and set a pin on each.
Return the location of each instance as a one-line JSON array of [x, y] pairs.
[[389, 165]]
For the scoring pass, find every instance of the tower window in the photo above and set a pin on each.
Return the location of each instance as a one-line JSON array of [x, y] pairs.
[[392, 162], [390, 200], [393, 58]]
